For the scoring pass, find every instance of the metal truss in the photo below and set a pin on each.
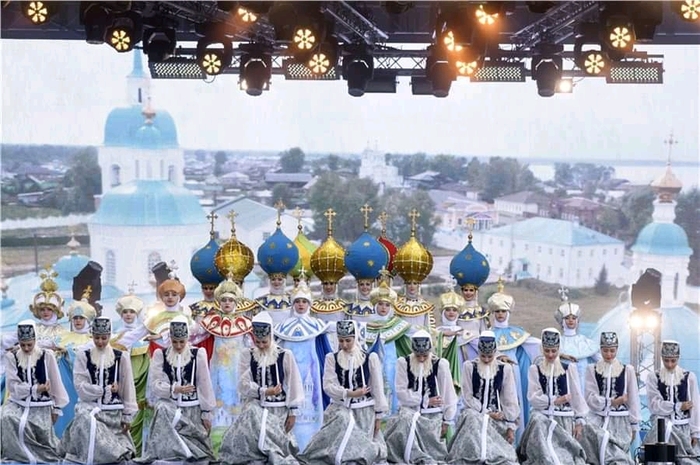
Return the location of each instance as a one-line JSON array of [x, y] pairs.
[[644, 347], [364, 29], [555, 27]]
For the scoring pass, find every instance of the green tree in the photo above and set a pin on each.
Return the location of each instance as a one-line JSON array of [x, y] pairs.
[[398, 207], [345, 197], [292, 160], [503, 176], [220, 159], [637, 206], [688, 217], [602, 286], [611, 221], [563, 176], [281, 192], [410, 165], [450, 167], [83, 181], [473, 173]]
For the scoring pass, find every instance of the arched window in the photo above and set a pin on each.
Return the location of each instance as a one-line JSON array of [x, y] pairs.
[[172, 174], [675, 287], [137, 169], [115, 176], [111, 268], [162, 169], [153, 258]]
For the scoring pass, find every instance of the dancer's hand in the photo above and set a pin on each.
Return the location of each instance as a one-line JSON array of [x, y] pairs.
[[443, 430], [561, 400], [496, 415], [687, 405], [115, 387], [578, 429], [359, 392], [54, 418], [620, 400], [289, 423], [207, 425], [694, 442], [46, 387], [274, 390], [187, 389], [435, 401], [125, 427], [510, 436], [377, 426]]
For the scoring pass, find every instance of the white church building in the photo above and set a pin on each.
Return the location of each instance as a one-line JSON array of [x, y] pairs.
[[144, 215], [373, 165]]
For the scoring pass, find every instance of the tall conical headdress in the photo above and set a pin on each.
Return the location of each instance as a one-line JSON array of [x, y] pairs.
[[470, 266], [278, 254], [234, 258], [328, 261], [413, 262], [203, 262], [366, 257]]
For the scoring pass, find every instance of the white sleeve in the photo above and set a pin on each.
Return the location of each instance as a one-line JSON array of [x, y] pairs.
[[447, 392], [407, 396]]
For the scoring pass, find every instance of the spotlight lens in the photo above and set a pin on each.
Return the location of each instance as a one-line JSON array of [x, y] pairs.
[[304, 39], [620, 37], [37, 12], [246, 15], [467, 68], [690, 10], [120, 40], [212, 63], [449, 41], [484, 18], [319, 63], [594, 63]]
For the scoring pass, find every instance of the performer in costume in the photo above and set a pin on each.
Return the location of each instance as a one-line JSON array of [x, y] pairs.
[[328, 263], [304, 335], [413, 262], [36, 397], [450, 335], [99, 432], [230, 330], [486, 427], [364, 259], [353, 380], [581, 350], [179, 376], [514, 344], [386, 335], [47, 308], [615, 412], [272, 392], [471, 269], [129, 308], [277, 256], [428, 406], [672, 393], [558, 409]]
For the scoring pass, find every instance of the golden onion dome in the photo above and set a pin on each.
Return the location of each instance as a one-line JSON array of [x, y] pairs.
[[413, 262], [234, 259], [328, 261]]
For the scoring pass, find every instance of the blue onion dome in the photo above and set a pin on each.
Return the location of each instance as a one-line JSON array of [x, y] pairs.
[[366, 257], [68, 266], [470, 266], [413, 262], [328, 261], [278, 254], [203, 262], [234, 259]]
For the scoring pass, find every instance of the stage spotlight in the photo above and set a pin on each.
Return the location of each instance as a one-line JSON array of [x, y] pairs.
[[159, 44], [688, 10], [487, 14], [214, 54], [565, 86], [547, 70], [324, 58], [125, 32], [358, 70], [439, 71], [467, 62], [37, 12], [255, 72], [618, 35], [96, 19], [594, 61]]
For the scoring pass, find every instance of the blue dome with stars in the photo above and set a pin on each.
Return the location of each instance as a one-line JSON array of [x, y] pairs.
[[470, 266], [366, 257], [203, 266], [278, 254]]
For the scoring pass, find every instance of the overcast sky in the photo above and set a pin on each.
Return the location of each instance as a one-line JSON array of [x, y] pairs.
[[62, 92]]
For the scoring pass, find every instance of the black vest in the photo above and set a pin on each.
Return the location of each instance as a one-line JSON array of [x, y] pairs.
[[617, 389], [430, 382], [38, 376], [678, 393], [109, 377], [479, 384], [272, 372], [359, 373], [560, 387], [189, 375]]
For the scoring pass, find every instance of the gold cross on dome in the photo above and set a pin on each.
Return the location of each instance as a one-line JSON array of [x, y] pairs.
[[212, 217], [414, 215], [232, 218], [329, 214], [670, 142], [173, 269], [279, 206], [563, 293], [131, 287], [366, 210], [383, 218], [501, 284], [298, 214], [470, 227]]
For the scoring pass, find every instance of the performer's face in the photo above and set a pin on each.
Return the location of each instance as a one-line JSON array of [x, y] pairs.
[[101, 340], [608, 353], [128, 316], [450, 313], [179, 345], [27, 346], [571, 321], [170, 298], [301, 306], [382, 308], [46, 312], [420, 358], [670, 363], [550, 353], [328, 287], [277, 282], [79, 322], [364, 287], [486, 358], [468, 292], [346, 344], [262, 343], [227, 304], [412, 288], [208, 291], [500, 315]]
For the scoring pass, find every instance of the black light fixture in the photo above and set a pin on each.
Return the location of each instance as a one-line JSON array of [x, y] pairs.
[[96, 18], [255, 71], [250, 12], [214, 50], [301, 25], [439, 71], [324, 57], [125, 32], [589, 53], [617, 30], [159, 43], [358, 70], [547, 67], [37, 12], [688, 10]]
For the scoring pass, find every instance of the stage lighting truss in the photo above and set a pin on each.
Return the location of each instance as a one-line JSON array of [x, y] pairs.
[[295, 71], [176, 68], [500, 71], [636, 72]]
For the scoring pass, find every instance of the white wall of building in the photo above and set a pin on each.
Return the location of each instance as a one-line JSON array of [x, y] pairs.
[[674, 274], [121, 165]]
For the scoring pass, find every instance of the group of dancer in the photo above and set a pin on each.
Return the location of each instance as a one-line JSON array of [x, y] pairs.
[[289, 378]]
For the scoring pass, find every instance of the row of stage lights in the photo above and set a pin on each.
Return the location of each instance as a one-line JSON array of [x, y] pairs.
[[462, 41]]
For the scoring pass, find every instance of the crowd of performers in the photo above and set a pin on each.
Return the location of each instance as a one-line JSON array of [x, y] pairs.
[[293, 378]]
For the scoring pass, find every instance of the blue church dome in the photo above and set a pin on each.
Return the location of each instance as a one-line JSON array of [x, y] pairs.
[[125, 124], [68, 268], [366, 257], [662, 239], [278, 254], [149, 203]]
